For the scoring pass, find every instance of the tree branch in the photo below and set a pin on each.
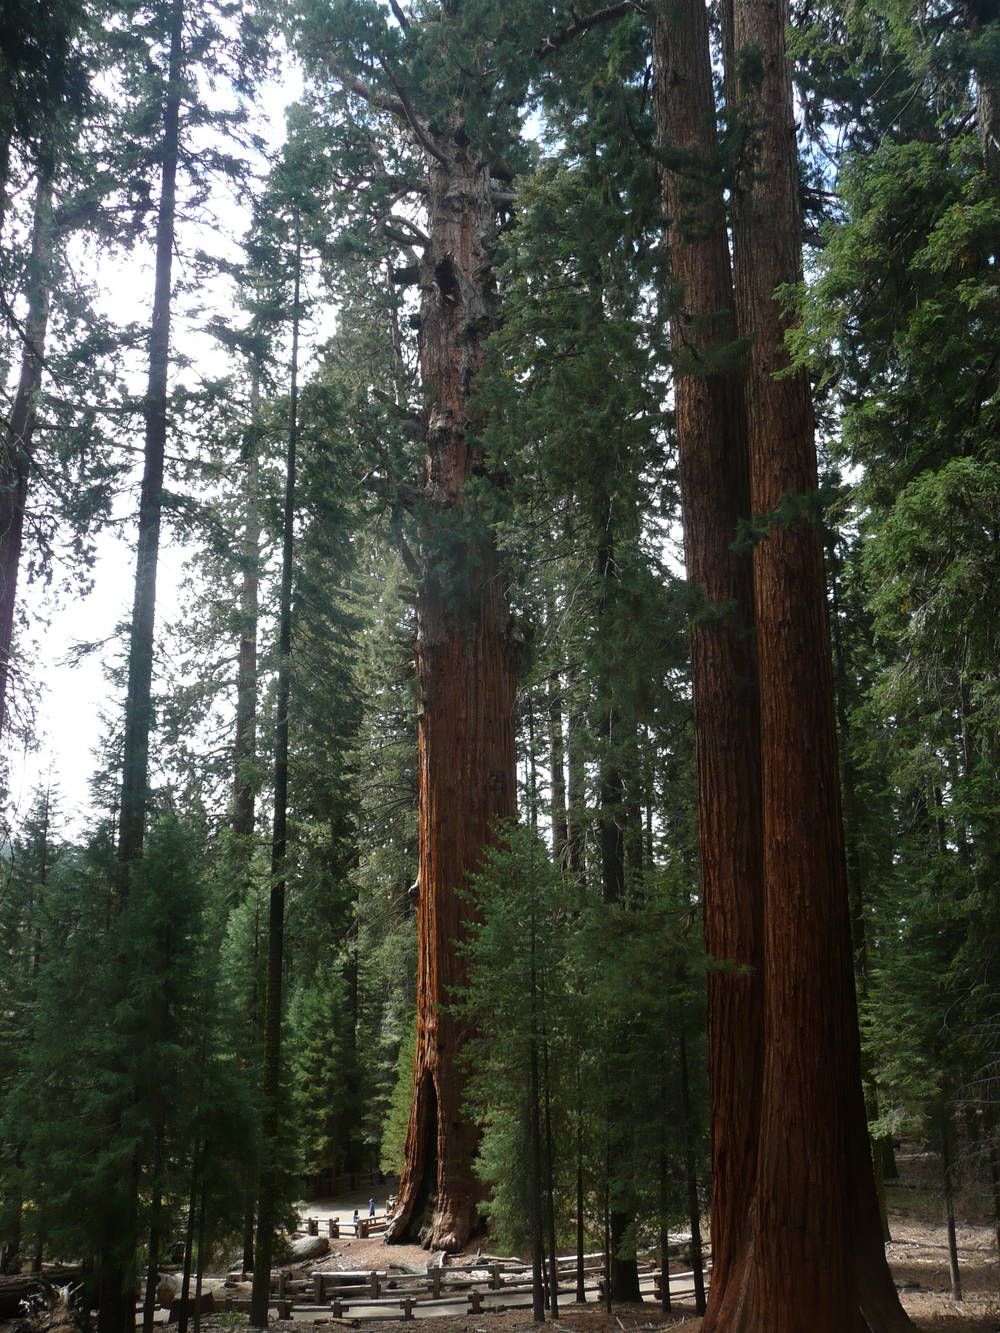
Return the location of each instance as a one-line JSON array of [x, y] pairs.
[[579, 26], [373, 96], [412, 119]]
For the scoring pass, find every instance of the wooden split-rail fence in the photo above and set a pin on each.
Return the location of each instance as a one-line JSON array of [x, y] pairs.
[[478, 1285]]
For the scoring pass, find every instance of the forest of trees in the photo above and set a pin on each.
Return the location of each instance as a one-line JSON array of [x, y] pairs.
[[568, 773]]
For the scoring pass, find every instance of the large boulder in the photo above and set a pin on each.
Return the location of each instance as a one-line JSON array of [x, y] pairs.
[[308, 1247], [168, 1289]]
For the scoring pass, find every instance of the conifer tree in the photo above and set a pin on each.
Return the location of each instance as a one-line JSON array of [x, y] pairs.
[[813, 1203]]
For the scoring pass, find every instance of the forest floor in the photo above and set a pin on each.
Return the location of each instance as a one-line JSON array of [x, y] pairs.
[[918, 1257]]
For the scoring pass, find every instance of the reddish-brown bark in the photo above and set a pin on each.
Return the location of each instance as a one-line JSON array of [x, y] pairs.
[[714, 481], [466, 666], [812, 1256]]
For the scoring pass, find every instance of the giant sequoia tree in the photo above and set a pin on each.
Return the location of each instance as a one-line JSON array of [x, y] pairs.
[[811, 1253], [466, 644], [714, 478]]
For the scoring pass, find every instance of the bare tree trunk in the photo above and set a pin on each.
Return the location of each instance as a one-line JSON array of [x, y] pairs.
[[949, 1204], [138, 705], [467, 655], [201, 1257], [581, 1287], [576, 794], [995, 1185], [856, 902], [189, 1240], [550, 1197], [16, 449], [694, 1207], [557, 766], [537, 1280], [267, 1183], [6, 135], [244, 748], [813, 1255]]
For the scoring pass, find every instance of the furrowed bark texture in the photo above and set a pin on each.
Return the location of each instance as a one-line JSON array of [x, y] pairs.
[[15, 455], [978, 14], [466, 666], [138, 706], [813, 1255], [715, 496]]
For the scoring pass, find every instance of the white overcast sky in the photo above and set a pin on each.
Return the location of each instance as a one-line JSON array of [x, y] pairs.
[[73, 697]]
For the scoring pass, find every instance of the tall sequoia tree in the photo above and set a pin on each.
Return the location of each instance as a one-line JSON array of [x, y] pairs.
[[812, 1253], [467, 647], [466, 667], [714, 481]]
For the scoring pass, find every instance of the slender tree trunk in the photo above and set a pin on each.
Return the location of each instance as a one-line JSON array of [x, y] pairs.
[[250, 1201], [467, 655], [715, 497], [138, 705], [537, 1283], [995, 1184], [557, 767], [244, 747], [267, 1184], [10, 1261], [581, 1286], [576, 793], [189, 1239], [550, 1197], [694, 1207], [155, 1228], [607, 1222], [249, 1207], [118, 1278], [201, 1258], [16, 450], [856, 900], [664, 1195], [812, 1255], [244, 744], [949, 1204], [6, 136], [624, 1268]]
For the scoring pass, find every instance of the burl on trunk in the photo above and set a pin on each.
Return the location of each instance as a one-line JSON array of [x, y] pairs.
[[467, 667]]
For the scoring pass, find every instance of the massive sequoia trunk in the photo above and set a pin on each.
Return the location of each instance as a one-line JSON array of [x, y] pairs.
[[715, 485], [15, 451], [466, 667], [812, 1254]]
